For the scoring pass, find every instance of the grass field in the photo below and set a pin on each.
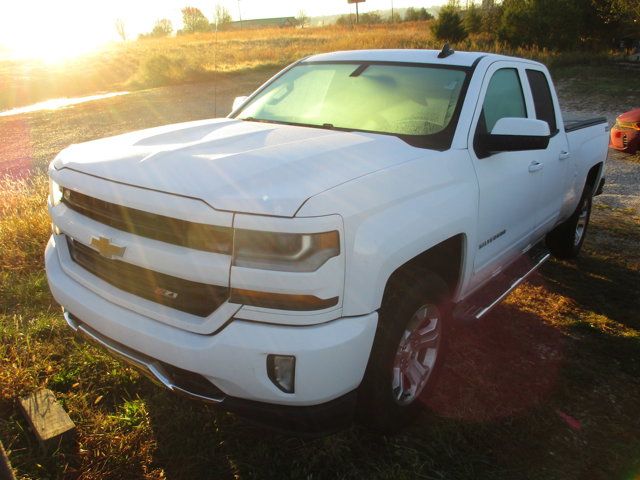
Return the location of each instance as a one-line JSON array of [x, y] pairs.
[[195, 58], [546, 388]]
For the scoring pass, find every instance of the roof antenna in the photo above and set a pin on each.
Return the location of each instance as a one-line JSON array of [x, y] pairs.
[[446, 51]]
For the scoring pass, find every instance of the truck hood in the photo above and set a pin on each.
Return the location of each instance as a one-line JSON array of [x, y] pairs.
[[238, 165]]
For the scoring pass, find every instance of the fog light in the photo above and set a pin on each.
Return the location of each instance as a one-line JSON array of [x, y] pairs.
[[282, 371]]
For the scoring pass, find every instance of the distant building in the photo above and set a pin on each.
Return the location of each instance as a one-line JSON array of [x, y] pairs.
[[277, 22]]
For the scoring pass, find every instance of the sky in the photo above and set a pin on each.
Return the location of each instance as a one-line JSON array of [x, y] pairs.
[[29, 27]]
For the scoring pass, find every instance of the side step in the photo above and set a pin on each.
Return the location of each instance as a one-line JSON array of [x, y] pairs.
[[479, 303]]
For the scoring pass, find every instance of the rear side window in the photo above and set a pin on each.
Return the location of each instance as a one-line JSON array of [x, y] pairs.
[[542, 99], [504, 98]]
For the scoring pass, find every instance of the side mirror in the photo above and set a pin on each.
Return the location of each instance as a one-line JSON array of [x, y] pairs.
[[237, 102], [514, 135]]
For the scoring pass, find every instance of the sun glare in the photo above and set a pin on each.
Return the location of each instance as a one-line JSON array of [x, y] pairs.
[[54, 51], [52, 36]]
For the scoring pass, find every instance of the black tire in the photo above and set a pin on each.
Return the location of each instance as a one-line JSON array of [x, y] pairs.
[[379, 406], [565, 241]]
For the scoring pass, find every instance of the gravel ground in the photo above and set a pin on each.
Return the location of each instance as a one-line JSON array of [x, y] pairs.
[[622, 189]]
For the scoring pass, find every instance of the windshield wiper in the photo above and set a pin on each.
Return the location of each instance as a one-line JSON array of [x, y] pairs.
[[325, 126], [259, 120]]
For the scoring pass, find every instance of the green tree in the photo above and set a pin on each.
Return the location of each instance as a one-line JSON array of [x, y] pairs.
[[448, 26], [194, 21], [416, 14], [491, 17], [344, 20], [411, 15], [473, 19], [162, 28], [370, 18], [545, 23], [423, 14]]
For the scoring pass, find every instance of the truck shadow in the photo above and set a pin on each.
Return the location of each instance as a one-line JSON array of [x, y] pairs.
[[547, 382], [508, 389]]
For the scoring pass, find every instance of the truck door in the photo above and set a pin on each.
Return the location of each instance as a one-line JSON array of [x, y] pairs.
[[508, 181], [555, 159]]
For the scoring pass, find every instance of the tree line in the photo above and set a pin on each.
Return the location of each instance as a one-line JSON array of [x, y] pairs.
[[561, 24], [194, 21], [555, 24]]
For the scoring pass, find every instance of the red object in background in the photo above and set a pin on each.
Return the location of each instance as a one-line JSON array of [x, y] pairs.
[[625, 134]]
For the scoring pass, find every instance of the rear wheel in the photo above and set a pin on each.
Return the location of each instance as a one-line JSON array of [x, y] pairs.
[[408, 351], [565, 241]]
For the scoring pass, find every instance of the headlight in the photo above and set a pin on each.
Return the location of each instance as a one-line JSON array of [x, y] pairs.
[[290, 252], [55, 193]]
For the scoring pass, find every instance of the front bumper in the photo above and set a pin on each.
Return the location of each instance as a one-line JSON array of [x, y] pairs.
[[330, 357], [624, 140], [323, 418]]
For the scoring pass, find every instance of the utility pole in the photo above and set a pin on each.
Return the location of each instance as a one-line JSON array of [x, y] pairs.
[[240, 14], [357, 15], [391, 11]]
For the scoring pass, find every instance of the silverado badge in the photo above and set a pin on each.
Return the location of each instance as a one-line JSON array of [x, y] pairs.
[[105, 248]]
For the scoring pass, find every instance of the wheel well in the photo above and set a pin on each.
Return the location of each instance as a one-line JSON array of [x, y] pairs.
[[443, 259], [592, 177]]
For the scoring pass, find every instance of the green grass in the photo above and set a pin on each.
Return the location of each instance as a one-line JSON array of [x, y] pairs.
[[599, 80], [565, 345]]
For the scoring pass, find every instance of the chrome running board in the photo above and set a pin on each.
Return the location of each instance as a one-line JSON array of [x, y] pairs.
[[148, 366], [482, 302]]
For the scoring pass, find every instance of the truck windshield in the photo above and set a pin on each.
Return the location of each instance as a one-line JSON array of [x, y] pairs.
[[413, 102]]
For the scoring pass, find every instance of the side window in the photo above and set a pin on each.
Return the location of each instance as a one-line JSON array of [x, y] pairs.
[[504, 98], [542, 99]]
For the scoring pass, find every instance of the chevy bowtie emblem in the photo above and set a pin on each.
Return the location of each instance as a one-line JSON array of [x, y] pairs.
[[106, 248]]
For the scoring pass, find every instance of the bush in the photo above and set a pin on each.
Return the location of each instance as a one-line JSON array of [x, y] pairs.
[[448, 26], [416, 15], [162, 70]]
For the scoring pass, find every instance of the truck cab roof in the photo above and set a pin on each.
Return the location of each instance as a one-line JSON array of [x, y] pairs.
[[458, 59]]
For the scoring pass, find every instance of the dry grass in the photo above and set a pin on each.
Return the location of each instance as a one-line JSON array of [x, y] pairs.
[[193, 58], [24, 223]]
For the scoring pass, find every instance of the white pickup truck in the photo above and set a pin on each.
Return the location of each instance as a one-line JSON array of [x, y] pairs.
[[304, 257]]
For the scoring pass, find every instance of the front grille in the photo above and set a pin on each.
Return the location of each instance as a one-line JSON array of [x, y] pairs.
[[192, 297], [624, 140], [200, 236]]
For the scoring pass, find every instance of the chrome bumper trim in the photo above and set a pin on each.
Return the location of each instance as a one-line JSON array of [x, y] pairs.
[[148, 366]]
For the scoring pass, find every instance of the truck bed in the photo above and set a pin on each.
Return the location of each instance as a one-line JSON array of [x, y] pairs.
[[573, 124]]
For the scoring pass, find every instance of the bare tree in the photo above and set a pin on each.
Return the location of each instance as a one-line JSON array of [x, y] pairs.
[[120, 29], [302, 19], [221, 16]]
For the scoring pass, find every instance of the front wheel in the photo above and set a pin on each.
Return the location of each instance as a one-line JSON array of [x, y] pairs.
[[408, 351], [565, 241]]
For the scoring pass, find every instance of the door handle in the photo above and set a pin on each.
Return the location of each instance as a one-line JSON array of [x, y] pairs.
[[535, 166], [564, 155]]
